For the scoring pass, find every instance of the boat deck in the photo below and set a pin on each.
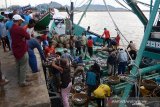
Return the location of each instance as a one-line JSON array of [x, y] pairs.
[[12, 95]]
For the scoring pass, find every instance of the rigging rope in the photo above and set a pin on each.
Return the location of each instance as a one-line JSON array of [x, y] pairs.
[[114, 21], [145, 4], [80, 4], [138, 71], [123, 6]]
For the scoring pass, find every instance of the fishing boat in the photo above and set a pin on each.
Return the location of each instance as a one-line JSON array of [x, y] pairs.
[[43, 22], [148, 51]]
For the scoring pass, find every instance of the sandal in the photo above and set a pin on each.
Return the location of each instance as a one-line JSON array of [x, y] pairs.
[[4, 82]]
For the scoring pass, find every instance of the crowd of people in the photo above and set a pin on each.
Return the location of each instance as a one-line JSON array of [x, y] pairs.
[[17, 34]]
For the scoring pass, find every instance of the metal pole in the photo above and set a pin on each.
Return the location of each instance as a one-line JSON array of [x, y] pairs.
[[150, 68], [6, 3], [72, 12], [72, 16], [141, 50], [150, 7], [84, 12], [137, 11]]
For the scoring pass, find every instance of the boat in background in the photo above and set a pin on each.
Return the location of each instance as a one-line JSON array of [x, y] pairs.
[[43, 22]]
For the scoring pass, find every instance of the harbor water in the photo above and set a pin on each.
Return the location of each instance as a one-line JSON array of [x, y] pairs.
[[128, 23]]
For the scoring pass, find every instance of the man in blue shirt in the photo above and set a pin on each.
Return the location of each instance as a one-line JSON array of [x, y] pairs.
[[67, 56], [9, 24], [3, 33]]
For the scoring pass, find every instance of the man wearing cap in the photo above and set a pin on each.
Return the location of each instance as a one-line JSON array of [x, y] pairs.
[[19, 47]]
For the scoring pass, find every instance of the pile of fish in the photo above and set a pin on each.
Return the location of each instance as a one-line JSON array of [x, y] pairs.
[[98, 60]]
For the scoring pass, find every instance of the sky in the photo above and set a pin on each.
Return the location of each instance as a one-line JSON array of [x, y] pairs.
[[63, 2]]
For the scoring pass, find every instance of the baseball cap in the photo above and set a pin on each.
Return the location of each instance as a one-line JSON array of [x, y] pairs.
[[17, 17]]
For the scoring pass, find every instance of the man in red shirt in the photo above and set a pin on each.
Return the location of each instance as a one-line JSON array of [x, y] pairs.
[[90, 46], [107, 37], [19, 47]]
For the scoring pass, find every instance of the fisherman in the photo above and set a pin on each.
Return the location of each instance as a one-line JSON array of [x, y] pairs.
[[19, 48], [67, 56], [56, 69], [71, 45], [106, 35], [98, 71], [30, 27], [32, 44], [2, 81], [91, 80], [133, 50], [9, 25], [79, 70], [101, 93], [26, 17], [84, 42], [111, 63], [90, 46], [115, 41], [44, 39], [50, 50], [3, 34], [78, 45], [66, 83], [122, 61]]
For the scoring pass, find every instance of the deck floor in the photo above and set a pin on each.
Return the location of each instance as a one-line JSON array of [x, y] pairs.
[[35, 95]]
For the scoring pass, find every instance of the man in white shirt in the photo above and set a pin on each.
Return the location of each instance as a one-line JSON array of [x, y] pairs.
[[133, 50], [84, 41]]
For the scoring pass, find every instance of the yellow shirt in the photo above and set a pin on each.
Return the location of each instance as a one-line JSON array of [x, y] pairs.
[[102, 91]]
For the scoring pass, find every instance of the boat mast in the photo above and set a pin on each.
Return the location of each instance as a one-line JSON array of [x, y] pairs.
[[151, 8], [72, 12], [6, 3], [137, 11], [141, 52]]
